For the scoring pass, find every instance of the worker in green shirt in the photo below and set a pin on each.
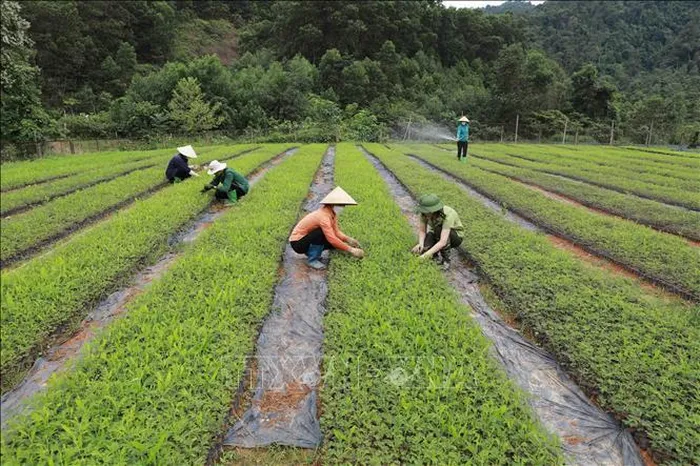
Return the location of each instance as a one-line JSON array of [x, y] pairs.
[[229, 184], [439, 230]]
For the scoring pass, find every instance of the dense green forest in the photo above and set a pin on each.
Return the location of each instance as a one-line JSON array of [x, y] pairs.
[[348, 70]]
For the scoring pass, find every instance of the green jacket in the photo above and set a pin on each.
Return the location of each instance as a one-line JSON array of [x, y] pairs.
[[229, 179]]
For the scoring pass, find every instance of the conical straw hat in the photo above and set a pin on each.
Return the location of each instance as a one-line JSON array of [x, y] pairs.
[[187, 151], [338, 197], [215, 166], [464, 119]]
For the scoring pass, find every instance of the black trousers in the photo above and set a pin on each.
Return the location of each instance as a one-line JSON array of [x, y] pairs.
[[432, 237], [301, 246], [462, 147], [223, 196]]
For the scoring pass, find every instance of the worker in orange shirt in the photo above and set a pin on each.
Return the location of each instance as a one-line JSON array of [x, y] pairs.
[[319, 230]]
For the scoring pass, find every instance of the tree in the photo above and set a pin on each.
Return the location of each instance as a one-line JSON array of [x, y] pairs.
[[188, 109], [22, 116], [593, 96]]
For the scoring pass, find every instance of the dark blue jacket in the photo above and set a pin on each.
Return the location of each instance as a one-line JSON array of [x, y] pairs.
[[177, 167]]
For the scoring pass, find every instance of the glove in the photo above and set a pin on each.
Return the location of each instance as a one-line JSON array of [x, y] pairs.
[[357, 252], [417, 249], [353, 242], [193, 173]]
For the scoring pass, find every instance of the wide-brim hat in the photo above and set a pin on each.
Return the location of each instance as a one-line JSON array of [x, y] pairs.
[[464, 119], [215, 166], [187, 151], [338, 197], [429, 203]]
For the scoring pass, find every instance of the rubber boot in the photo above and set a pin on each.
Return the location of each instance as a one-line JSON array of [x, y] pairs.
[[232, 198], [314, 257]]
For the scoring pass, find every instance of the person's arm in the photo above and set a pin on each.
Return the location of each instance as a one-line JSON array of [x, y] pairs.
[[330, 234], [226, 184], [418, 248], [444, 238]]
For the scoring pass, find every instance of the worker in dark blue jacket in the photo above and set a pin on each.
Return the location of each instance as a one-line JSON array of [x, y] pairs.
[[178, 167]]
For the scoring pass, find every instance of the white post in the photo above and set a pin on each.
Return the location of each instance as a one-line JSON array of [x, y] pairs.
[[517, 122], [566, 123], [651, 132], [612, 132], [501, 133]]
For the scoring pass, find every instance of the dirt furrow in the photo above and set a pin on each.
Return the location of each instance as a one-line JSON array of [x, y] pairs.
[[66, 348], [277, 400], [588, 435]]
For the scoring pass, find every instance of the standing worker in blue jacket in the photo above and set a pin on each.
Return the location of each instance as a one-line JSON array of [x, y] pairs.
[[462, 138], [178, 168], [229, 184]]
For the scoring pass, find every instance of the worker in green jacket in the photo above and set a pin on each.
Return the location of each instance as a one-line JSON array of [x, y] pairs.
[[439, 230], [229, 184], [462, 139]]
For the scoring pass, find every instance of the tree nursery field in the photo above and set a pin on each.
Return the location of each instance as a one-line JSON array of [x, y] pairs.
[[133, 310]]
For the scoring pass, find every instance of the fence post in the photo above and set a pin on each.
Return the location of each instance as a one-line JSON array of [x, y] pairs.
[[517, 122], [651, 132], [72, 148], [576, 137], [539, 137], [566, 124], [501, 133], [612, 132]]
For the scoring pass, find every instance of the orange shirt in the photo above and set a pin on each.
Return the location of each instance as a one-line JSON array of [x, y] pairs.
[[325, 219]]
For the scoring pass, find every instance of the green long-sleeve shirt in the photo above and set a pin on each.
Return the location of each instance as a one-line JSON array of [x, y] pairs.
[[229, 179]]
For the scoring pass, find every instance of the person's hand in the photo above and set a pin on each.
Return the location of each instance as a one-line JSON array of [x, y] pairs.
[[357, 252], [193, 173], [417, 249], [426, 255], [206, 188], [353, 242]]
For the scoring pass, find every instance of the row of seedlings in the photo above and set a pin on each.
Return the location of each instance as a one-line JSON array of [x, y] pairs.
[[676, 196], [55, 291], [29, 196], [654, 214], [26, 233], [155, 386], [665, 259], [408, 377], [23, 173], [636, 353], [589, 159]]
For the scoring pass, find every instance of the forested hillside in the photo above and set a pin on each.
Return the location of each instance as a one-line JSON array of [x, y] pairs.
[[329, 70]]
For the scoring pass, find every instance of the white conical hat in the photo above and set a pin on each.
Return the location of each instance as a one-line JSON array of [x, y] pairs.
[[464, 119], [338, 197], [216, 166], [187, 151]]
